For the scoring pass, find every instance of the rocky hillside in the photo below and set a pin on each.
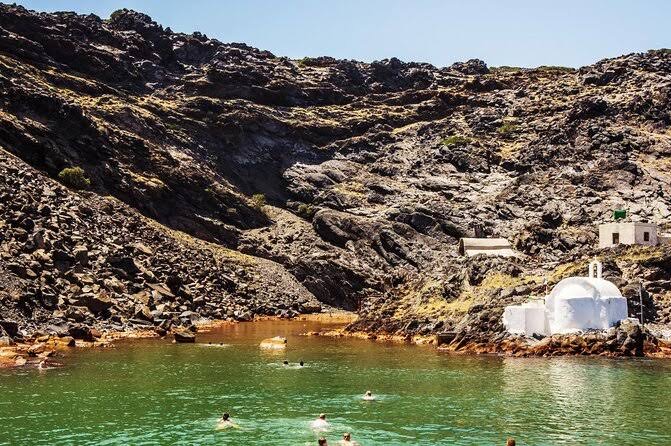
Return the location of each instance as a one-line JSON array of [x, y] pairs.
[[226, 181], [69, 259]]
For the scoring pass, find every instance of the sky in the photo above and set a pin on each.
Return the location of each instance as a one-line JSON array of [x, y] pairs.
[[525, 33]]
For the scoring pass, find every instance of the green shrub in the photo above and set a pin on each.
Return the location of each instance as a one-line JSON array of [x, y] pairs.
[[306, 211], [555, 68], [74, 177], [258, 201], [505, 69], [507, 128], [456, 140]]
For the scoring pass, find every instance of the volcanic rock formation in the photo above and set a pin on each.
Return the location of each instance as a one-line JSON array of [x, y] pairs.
[[226, 181]]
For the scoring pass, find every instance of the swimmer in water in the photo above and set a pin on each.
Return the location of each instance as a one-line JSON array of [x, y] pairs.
[[322, 442], [301, 363], [225, 422], [368, 396], [320, 423], [285, 362], [347, 440]]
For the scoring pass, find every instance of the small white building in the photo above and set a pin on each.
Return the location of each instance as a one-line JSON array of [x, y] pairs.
[[627, 233], [488, 246], [575, 304]]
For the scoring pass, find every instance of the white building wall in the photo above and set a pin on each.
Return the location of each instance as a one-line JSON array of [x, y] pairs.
[[573, 314], [639, 235], [536, 320], [527, 319], [631, 233], [611, 310], [514, 319]]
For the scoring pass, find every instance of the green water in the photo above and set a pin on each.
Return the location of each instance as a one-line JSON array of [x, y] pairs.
[[154, 392]]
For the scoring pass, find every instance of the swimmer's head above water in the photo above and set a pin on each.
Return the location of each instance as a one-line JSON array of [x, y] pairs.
[[285, 362], [322, 442], [301, 363], [225, 416], [369, 393], [322, 416], [346, 436]]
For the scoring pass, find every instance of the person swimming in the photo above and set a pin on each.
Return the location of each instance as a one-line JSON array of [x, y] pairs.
[[301, 363], [322, 442], [320, 423], [368, 396], [225, 422], [285, 362], [347, 440]]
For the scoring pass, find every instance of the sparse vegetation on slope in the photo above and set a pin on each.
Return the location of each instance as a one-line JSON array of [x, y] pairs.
[[74, 177], [387, 164]]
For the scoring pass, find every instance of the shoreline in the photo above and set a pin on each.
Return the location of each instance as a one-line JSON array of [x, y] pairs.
[[42, 349], [35, 350], [584, 344]]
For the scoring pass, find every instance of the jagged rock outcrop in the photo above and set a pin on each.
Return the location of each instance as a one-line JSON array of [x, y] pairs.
[[371, 172]]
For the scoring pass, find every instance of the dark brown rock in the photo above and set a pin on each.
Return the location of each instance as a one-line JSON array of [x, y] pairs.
[[184, 337]]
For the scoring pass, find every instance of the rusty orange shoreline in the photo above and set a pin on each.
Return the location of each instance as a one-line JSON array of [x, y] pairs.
[[44, 349]]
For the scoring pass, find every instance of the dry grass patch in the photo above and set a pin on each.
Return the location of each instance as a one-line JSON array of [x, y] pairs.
[[499, 280], [350, 189], [638, 254], [567, 270]]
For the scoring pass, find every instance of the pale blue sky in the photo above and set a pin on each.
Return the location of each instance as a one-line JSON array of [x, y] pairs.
[[510, 32]]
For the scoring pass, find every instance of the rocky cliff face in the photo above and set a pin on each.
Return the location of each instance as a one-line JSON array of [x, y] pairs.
[[371, 173]]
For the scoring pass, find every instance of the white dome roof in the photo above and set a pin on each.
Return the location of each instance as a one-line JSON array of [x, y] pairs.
[[584, 287]]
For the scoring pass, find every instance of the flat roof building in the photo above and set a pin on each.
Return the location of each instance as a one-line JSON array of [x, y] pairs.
[[627, 233], [487, 246]]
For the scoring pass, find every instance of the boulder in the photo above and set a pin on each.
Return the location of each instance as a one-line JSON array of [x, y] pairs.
[[10, 327], [184, 337], [124, 263], [80, 331], [77, 313], [36, 349], [81, 255], [96, 303], [143, 312]]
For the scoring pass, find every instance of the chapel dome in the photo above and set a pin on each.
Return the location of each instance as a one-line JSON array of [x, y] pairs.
[[574, 287]]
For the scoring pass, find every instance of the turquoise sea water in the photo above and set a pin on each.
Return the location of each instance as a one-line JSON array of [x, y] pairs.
[[154, 392]]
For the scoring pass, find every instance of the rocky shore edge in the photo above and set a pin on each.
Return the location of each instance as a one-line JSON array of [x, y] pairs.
[[43, 349], [628, 339], [37, 349]]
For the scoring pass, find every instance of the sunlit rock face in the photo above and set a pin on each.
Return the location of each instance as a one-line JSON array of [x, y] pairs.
[[575, 304]]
